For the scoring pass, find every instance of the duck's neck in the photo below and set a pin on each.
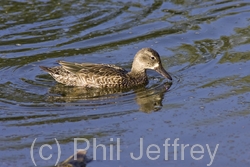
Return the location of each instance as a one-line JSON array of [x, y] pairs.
[[138, 75]]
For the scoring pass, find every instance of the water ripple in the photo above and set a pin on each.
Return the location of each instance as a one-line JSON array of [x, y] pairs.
[[204, 44]]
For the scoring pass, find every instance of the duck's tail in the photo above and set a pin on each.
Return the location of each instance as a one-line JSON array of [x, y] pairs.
[[47, 69]]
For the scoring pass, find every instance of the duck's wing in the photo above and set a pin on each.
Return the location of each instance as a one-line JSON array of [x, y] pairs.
[[116, 67], [95, 75], [92, 69]]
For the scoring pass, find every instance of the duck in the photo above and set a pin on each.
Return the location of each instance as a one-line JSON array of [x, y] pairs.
[[91, 75]]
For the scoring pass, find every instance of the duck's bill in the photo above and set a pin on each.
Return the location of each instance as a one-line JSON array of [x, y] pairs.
[[163, 72]]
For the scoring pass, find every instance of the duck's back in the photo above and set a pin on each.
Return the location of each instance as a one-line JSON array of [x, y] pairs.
[[88, 75]]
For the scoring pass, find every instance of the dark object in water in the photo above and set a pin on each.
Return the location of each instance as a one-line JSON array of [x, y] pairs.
[[81, 160]]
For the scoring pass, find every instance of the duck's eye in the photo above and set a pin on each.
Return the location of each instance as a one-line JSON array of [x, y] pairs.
[[152, 58]]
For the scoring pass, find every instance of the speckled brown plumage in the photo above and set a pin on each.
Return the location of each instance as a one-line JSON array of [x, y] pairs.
[[105, 75]]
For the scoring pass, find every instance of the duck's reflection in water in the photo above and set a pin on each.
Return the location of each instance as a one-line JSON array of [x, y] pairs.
[[148, 99]]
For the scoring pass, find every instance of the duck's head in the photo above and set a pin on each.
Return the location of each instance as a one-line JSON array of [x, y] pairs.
[[148, 58]]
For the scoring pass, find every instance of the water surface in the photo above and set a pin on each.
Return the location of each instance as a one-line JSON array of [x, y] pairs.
[[203, 44]]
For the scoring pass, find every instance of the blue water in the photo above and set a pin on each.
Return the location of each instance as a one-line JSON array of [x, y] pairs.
[[203, 44]]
